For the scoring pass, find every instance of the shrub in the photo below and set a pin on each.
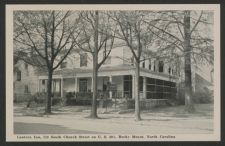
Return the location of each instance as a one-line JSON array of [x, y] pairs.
[[203, 96], [21, 97], [79, 98], [104, 103], [130, 104], [56, 100], [39, 97]]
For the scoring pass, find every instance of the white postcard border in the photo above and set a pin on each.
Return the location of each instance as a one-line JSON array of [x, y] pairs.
[[10, 136]]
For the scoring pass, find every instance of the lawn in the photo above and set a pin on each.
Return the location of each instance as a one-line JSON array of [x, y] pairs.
[[202, 110]]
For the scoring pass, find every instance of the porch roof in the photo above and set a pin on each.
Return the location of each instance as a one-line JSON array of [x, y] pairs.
[[129, 69], [72, 71]]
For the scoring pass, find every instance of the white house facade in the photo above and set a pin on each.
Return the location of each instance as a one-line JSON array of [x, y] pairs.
[[157, 77]]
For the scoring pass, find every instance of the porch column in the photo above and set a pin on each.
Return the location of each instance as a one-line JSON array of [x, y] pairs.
[[152, 64], [122, 94], [38, 84], [91, 84], [157, 66], [46, 85], [133, 86], [110, 92], [146, 64], [75, 86], [62, 87], [53, 86], [144, 87]]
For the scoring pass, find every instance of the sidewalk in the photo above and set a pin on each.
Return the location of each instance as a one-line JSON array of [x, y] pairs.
[[164, 120]]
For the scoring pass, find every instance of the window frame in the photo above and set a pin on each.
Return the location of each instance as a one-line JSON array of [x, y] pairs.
[[83, 63], [83, 81], [161, 66], [18, 75]]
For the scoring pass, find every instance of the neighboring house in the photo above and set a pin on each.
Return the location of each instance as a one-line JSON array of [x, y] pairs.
[[25, 80], [203, 77], [158, 77], [202, 82]]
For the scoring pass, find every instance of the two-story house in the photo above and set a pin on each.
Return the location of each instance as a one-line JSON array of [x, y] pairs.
[[25, 80], [157, 77]]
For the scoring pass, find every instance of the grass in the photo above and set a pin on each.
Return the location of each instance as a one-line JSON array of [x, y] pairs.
[[202, 110]]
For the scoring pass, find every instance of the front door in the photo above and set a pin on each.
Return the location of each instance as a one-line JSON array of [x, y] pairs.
[[83, 85]]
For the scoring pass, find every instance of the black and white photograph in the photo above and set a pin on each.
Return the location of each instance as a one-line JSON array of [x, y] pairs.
[[113, 72]]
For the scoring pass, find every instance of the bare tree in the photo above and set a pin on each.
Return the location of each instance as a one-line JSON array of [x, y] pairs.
[[48, 35], [182, 33], [97, 37], [132, 29]]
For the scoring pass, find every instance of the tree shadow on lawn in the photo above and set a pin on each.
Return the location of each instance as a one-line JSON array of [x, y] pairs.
[[40, 128], [39, 110], [205, 111], [202, 110]]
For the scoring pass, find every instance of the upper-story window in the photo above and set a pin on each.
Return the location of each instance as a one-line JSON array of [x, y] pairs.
[[154, 65], [143, 64], [18, 75], [83, 59], [63, 64], [150, 65], [43, 82], [161, 65], [169, 70]]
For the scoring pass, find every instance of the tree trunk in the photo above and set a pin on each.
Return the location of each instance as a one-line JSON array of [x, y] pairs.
[[187, 50], [137, 92], [95, 69], [94, 98], [49, 93]]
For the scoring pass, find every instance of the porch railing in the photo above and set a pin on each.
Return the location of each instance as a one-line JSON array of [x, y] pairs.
[[100, 94]]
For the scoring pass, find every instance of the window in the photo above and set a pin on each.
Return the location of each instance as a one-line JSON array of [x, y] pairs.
[[143, 65], [161, 64], [43, 82], [169, 70], [159, 89], [26, 89], [18, 74], [83, 59], [83, 85], [105, 82], [63, 64], [154, 65], [149, 66]]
